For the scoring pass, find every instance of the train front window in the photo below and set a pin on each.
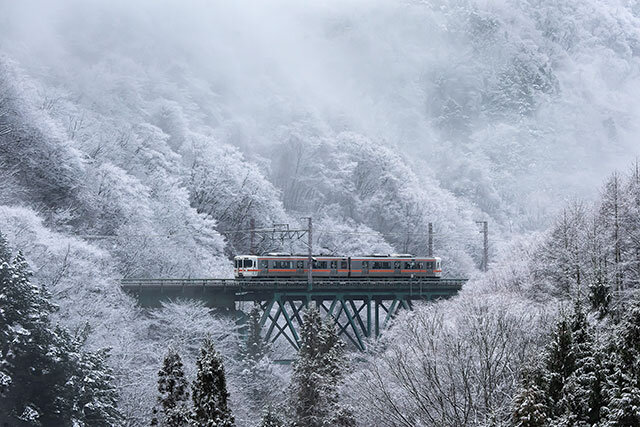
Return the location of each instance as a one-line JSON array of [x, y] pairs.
[[248, 263]]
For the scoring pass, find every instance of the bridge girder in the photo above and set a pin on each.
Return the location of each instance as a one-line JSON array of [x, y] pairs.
[[360, 309]]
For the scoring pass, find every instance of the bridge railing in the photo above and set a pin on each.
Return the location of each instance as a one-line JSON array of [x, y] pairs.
[[233, 284]]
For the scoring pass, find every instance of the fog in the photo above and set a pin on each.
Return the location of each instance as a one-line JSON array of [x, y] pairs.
[[511, 106]]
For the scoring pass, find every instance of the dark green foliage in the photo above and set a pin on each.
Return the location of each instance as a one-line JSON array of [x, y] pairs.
[[582, 392], [600, 294], [317, 375], [256, 376], [559, 361], [531, 405], [46, 377], [174, 394], [270, 419], [622, 389], [209, 390], [586, 379], [254, 348]]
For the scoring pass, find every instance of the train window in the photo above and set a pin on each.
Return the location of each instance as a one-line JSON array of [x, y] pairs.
[[396, 265], [283, 264], [420, 266], [334, 265], [410, 265], [380, 265], [300, 264], [344, 265], [264, 264], [365, 264], [322, 264]]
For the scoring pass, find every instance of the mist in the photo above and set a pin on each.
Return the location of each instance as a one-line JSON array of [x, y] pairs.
[[510, 106]]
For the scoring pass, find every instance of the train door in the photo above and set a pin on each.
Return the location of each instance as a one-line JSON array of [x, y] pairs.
[[333, 268], [397, 267], [365, 268], [264, 267], [300, 268], [344, 267]]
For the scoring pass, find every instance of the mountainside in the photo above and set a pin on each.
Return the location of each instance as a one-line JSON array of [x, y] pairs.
[[137, 138], [386, 115]]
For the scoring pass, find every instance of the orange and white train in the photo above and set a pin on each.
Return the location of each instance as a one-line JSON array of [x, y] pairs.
[[281, 265]]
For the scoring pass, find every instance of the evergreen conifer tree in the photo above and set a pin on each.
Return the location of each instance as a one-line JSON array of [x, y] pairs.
[[95, 396], [46, 377], [600, 294], [583, 390], [254, 348], [256, 375], [317, 375], [559, 363], [622, 389], [531, 407], [174, 393], [270, 419], [209, 390]]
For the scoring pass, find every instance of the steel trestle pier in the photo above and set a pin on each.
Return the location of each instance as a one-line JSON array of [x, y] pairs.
[[361, 308]]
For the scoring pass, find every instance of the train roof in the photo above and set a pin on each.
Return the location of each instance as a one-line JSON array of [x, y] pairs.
[[305, 256]]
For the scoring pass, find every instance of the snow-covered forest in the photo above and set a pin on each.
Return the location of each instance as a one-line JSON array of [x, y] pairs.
[[136, 136]]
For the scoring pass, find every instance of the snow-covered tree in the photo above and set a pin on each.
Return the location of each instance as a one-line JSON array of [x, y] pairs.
[[317, 373], [271, 419], [254, 348], [174, 409], [531, 406], [612, 217], [47, 377], [209, 390], [622, 388], [582, 393]]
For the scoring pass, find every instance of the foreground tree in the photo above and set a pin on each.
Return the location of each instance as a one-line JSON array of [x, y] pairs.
[[531, 406], [585, 379], [255, 348], [210, 395], [270, 419], [622, 389], [45, 376], [174, 394], [256, 371], [317, 374]]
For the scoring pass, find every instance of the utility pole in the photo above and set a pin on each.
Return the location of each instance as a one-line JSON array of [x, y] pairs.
[[252, 237], [430, 249], [485, 249], [310, 260]]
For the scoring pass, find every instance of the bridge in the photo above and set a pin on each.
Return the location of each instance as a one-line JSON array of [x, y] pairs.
[[361, 308]]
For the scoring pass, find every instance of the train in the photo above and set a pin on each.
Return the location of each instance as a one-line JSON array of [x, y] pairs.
[[283, 265]]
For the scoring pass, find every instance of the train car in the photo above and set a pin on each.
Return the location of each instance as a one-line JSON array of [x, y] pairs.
[[283, 265], [401, 265]]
